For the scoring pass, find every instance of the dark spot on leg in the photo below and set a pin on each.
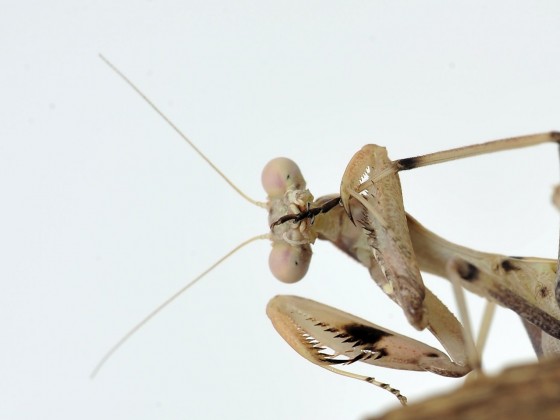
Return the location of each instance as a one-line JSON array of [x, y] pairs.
[[431, 355], [408, 163], [364, 334], [543, 292], [508, 266], [467, 271], [381, 353]]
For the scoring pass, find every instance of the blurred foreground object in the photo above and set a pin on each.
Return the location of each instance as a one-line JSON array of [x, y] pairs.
[[520, 392]]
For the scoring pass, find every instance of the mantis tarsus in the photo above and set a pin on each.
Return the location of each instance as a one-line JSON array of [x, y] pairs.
[[373, 228]]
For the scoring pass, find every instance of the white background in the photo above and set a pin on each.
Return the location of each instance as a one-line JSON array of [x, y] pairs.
[[105, 211]]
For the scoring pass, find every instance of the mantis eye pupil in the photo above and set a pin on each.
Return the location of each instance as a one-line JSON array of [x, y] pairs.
[[288, 263], [281, 175]]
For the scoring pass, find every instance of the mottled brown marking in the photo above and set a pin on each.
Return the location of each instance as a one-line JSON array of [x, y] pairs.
[[526, 310]]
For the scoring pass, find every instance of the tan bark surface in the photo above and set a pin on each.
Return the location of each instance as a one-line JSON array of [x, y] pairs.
[[522, 392]]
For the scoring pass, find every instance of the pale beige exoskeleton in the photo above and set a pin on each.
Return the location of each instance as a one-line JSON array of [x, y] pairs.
[[394, 247]]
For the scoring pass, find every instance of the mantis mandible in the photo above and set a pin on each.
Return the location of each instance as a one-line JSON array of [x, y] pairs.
[[372, 227]]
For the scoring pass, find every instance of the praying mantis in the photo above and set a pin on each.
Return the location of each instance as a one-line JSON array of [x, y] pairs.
[[373, 228]]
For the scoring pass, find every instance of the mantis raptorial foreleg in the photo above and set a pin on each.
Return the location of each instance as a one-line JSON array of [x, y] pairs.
[[373, 175], [386, 241], [329, 337]]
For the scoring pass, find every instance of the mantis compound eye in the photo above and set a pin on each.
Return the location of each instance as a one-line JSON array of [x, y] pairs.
[[289, 263], [280, 175]]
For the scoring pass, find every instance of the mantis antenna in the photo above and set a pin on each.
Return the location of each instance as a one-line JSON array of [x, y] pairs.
[[183, 135], [183, 289], [166, 302]]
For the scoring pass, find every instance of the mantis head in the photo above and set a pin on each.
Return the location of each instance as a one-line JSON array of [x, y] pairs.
[[291, 250]]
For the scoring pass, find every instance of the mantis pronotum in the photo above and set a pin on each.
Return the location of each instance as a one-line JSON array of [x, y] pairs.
[[394, 247]]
